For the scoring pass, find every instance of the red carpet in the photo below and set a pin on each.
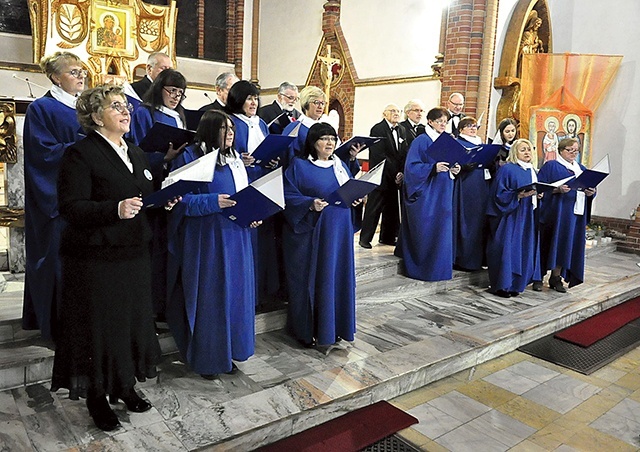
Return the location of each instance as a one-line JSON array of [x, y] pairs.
[[352, 432], [601, 325]]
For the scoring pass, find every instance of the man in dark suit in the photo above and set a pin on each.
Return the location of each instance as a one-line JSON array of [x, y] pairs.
[[282, 111], [455, 104], [156, 63], [224, 82], [385, 199], [414, 110]]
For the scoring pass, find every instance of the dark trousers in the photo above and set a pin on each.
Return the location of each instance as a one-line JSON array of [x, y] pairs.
[[381, 202]]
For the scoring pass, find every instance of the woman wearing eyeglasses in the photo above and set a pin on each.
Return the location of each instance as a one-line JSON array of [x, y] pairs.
[[50, 126], [318, 244], [107, 333], [425, 242], [564, 215], [162, 103], [470, 197], [211, 308]]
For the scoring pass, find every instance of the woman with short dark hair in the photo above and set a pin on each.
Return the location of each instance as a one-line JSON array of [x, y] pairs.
[[318, 244], [108, 336]]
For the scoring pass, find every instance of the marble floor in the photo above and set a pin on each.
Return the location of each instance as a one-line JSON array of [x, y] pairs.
[[414, 346]]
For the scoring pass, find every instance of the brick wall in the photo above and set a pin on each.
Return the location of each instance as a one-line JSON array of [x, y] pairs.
[[631, 228]]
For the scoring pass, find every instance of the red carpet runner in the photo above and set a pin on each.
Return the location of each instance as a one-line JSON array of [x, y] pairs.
[[601, 325], [352, 432]]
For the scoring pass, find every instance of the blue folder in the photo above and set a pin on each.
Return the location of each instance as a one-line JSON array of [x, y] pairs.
[[160, 135], [484, 154], [539, 187], [272, 147], [342, 151], [179, 188], [251, 205], [588, 179], [350, 191], [448, 149]]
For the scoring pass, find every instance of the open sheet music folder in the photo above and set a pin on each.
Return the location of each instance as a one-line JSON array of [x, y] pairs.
[[590, 178], [184, 180], [542, 187], [257, 201], [272, 147], [355, 189], [342, 151]]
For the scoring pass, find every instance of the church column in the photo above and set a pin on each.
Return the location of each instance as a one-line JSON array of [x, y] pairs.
[[468, 53], [255, 40]]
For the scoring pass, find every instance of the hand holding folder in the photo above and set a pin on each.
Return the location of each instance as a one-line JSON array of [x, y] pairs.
[[590, 178], [342, 151], [542, 187], [355, 189], [258, 201], [184, 180]]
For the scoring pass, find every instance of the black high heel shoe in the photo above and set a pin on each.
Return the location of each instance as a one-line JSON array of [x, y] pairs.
[[102, 414], [134, 402]]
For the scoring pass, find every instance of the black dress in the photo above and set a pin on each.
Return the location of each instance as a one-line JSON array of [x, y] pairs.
[[108, 337]]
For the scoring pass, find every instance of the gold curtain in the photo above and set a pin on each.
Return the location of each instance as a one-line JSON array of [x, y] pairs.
[[585, 76]]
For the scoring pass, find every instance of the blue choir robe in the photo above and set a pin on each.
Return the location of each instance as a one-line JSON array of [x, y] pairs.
[[513, 245], [211, 285], [563, 233], [425, 241], [470, 197], [319, 257], [50, 126]]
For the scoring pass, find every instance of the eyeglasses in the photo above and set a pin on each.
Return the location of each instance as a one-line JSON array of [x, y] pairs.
[[471, 126], [417, 110], [289, 98], [571, 150], [121, 108], [457, 105], [328, 138], [393, 111], [440, 121], [175, 93], [78, 73], [318, 103]]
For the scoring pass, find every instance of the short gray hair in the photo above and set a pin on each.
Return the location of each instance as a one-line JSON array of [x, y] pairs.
[[412, 103], [56, 63], [221, 80], [153, 58], [92, 101], [285, 86]]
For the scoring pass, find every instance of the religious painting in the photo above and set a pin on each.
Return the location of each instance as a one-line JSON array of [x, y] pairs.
[[111, 30], [549, 126]]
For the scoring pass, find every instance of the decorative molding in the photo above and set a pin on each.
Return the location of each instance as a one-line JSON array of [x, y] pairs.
[[8, 138]]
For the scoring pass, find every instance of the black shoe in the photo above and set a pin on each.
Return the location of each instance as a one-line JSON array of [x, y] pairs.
[[102, 414], [502, 293], [513, 293], [134, 402], [387, 243], [209, 376], [234, 369], [366, 245], [555, 282], [537, 286]]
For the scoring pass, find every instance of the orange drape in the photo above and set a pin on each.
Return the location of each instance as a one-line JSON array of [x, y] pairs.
[[587, 77]]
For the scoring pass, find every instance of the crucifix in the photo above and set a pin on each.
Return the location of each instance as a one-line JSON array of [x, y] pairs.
[[329, 63]]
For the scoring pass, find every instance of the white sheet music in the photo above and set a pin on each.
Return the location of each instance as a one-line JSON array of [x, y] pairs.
[[603, 166], [374, 175], [271, 186], [201, 170]]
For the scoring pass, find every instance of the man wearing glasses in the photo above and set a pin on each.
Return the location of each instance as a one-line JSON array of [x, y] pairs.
[[414, 111], [455, 104], [384, 200], [282, 111]]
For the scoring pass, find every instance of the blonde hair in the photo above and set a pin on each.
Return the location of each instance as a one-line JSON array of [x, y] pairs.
[[92, 101], [513, 152], [308, 94], [57, 63]]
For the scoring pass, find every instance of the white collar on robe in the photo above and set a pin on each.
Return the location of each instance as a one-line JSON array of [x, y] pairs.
[[338, 168], [174, 114], [475, 140], [431, 132], [236, 165], [579, 206], [63, 97], [307, 121], [255, 134], [534, 178], [129, 91]]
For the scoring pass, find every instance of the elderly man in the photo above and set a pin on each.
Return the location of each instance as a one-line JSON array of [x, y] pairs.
[[455, 104], [224, 82], [384, 200], [282, 111], [156, 63], [413, 112]]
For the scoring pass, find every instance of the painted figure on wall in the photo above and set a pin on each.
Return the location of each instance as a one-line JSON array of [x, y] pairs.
[[550, 140], [110, 34]]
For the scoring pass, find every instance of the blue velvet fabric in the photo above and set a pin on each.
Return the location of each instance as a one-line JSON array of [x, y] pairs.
[[211, 285], [319, 257], [513, 246]]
